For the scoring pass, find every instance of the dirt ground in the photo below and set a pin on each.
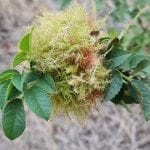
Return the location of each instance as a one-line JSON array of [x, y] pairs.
[[110, 128]]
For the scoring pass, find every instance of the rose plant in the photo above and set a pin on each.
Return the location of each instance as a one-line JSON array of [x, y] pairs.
[[67, 63]]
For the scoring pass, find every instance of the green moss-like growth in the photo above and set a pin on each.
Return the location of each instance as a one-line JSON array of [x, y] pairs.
[[65, 44]]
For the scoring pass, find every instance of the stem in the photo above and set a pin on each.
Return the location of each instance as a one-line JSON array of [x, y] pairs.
[[125, 106], [126, 78], [132, 22]]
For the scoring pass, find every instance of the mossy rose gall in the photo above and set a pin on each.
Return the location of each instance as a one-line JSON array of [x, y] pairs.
[[64, 45]]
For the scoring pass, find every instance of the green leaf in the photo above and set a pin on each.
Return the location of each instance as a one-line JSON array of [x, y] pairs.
[[19, 58], [143, 64], [7, 75], [113, 44], [17, 81], [129, 99], [64, 3], [12, 92], [117, 57], [7, 92], [112, 33], [38, 101], [115, 86], [104, 40], [143, 92], [146, 71], [122, 11], [118, 97], [46, 82], [136, 60], [13, 119], [146, 81], [24, 43], [132, 96], [3, 93], [30, 77], [132, 62]]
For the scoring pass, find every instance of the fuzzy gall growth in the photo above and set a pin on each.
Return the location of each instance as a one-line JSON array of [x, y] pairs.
[[65, 45]]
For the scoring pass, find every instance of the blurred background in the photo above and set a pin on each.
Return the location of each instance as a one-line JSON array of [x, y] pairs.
[[110, 128]]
